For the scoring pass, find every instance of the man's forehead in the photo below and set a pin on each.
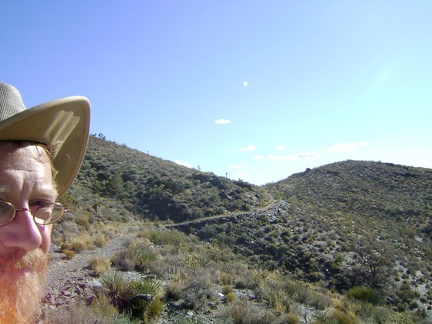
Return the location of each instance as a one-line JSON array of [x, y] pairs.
[[29, 162], [19, 156]]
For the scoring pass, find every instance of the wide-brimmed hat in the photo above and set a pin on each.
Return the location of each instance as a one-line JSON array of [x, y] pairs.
[[62, 123]]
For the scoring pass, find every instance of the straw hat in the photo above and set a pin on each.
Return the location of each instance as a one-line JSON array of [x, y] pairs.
[[63, 123]]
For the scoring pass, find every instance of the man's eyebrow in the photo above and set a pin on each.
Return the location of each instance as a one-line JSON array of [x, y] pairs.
[[50, 192]]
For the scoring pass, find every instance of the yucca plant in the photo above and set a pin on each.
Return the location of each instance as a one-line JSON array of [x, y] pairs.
[[139, 298], [115, 285], [144, 302], [141, 256]]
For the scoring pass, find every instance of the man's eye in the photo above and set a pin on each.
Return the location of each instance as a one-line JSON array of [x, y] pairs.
[[38, 204]]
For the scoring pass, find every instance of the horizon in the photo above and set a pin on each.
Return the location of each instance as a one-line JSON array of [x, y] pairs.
[[102, 136], [256, 91]]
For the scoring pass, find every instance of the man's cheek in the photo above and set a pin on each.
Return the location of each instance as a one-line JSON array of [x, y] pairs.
[[46, 237]]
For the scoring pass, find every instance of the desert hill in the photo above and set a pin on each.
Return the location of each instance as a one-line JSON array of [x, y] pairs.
[[360, 229]]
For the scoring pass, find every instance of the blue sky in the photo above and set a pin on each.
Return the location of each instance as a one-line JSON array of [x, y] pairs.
[[255, 90]]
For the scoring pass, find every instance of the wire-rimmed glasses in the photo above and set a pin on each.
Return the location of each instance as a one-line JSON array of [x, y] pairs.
[[44, 213]]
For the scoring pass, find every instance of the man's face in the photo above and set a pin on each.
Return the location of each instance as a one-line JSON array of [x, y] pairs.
[[25, 177]]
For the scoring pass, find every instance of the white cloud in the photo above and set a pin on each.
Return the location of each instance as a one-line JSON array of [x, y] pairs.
[[310, 155], [279, 148], [183, 163], [293, 157], [237, 166], [248, 148], [222, 121], [245, 83], [345, 147]]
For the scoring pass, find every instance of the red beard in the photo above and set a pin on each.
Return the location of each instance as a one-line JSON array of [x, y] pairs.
[[21, 287]]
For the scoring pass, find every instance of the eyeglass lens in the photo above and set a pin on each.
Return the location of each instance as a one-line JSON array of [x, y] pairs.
[[46, 214]]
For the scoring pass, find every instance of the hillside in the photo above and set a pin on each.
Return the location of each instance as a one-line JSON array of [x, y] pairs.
[[355, 228], [343, 225], [372, 189], [156, 189]]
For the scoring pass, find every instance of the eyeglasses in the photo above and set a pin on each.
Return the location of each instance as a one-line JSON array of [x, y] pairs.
[[43, 212]]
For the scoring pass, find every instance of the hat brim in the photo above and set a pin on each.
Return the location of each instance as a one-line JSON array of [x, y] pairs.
[[63, 123]]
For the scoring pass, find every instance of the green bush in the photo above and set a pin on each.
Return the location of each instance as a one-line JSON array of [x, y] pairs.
[[361, 293], [172, 237]]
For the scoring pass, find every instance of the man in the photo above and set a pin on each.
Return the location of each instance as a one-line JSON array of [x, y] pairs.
[[41, 150]]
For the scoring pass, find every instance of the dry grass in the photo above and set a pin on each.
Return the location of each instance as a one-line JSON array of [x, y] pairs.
[[100, 264], [79, 243], [99, 312]]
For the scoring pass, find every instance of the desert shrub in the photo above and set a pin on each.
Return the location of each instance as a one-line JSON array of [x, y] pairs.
[[229, 293], [219, 253], [339, 304], [122, 260], [135, 257], [365, 294], [194, 289], [344, 317], [335, 317], [69, 253], [100, 264], [276, 296], [296, 290], [244, 312], [141, 256], [80, 313], [224, 239], [377, 313], [114, 284], [174, 289], [360, 293], [405, 296], [196, 260], [64, 232], [242, 282], [260, 276], [318, 300], [83, 221], [236, 274], [230, 296], [69, 201], [208, 231], [100, 240], [144, 303], [78, 243], [172, 237], [139, 298], [226, 289], [225, 278], [399, 318], [102, 305]]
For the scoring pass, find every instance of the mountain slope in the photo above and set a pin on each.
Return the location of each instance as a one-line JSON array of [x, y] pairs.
[[154, 188], [373, 189], [343, 225]]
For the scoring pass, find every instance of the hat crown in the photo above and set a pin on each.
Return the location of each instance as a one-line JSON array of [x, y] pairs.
[[10, 101]]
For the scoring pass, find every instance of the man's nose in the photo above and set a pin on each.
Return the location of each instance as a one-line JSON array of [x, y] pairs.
[[23, 232]]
